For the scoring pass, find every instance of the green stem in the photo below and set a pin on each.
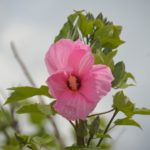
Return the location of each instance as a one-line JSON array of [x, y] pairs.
[[107, 128], [89, 140], [102, 113], [80, 139]]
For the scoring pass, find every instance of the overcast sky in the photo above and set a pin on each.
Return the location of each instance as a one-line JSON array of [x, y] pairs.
[[33, 24]]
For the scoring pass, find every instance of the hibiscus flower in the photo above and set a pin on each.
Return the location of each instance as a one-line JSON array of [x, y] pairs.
[[74, 81]]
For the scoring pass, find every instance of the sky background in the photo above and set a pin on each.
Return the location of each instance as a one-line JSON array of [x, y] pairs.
[[33, 25]]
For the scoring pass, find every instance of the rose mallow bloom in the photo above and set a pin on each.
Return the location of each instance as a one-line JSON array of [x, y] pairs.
[[74, 81]]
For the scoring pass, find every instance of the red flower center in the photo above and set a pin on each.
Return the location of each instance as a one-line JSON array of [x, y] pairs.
[[73, 83]]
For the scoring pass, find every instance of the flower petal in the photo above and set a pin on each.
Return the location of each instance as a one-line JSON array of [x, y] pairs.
[[96, 84], [73, 106], [57, 84], [81, 61], [81, 45], [57, 56]]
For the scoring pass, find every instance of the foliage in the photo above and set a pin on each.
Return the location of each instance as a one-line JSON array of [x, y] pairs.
[[104, 39]]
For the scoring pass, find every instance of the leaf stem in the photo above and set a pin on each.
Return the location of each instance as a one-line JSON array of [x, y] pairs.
[[102, 113], [107, 127]]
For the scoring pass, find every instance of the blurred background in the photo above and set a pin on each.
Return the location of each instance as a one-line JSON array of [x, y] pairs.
[[33, 25]]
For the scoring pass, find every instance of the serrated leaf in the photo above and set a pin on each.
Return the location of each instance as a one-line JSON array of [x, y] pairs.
[[121, 76], [142, 111], [127, 121], [122, 103], [85, 25], [107, 36], [107, 59], [22, 93]]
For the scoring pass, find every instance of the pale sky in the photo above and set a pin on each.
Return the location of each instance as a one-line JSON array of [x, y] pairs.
[[33, 24]]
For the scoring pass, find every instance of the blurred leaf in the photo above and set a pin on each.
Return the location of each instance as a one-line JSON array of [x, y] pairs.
[[100, 135], [42, 141], [5, 119], [22, 139], [41, 109], [10, 147], [142, 111], [122, 103], [36, 118], [94, 127], [127, 121], [22, 93], [81, 148]]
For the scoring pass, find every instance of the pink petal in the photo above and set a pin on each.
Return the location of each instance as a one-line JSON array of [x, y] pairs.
[[81, 45], [81, 61], [73, 106], [57, 84], [57, 56], [96, 84]]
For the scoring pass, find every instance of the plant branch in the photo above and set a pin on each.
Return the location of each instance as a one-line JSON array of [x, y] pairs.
[[107, 128], [32, 82], [22, 64], [102, 113], [57, 134]]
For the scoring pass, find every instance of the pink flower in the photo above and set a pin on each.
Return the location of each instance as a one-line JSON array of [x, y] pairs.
[[75, 82]]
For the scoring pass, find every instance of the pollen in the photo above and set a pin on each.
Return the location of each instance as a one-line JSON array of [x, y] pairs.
[[73, 83]]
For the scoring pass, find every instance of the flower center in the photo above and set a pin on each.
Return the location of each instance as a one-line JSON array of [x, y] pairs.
[[73, 83]]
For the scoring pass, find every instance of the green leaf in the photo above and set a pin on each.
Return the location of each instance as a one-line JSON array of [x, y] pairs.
[[22, 139], [41, 109], [90, 16], [107, 36], [69, 29], [122, 103], [42, 141], [94, 127], [101, 135], [127, 121], [10, 147], [36, 118], [107, 59], [142, 111], [85, 25], [22, 93], [121, 76]]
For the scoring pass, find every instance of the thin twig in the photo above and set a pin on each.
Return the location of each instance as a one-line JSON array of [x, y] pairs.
[[57, 132], [32, 82], [107, 128], [15, 122], [102, 113], [22, 64]]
